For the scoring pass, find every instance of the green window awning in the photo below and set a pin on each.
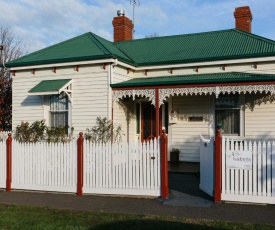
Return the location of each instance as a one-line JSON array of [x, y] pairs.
[[50, 87]]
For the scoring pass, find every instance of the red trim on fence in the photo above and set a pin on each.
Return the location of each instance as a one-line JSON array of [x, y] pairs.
[[164, 166], [9, 163], [80, 164], [218, 165]]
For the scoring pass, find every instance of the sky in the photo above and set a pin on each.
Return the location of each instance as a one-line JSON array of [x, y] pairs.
[[41, 23]]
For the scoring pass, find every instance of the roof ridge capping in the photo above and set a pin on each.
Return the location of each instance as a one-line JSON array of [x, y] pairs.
[[255, 36], [179, 35]]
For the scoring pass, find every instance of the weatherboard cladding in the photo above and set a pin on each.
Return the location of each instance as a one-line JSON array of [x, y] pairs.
[[195, 79], [216, 45]]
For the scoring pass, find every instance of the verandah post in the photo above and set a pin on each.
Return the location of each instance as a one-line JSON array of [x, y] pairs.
[[9, 162], [164, 165], [218, 165], [157, 112], [80, 141]]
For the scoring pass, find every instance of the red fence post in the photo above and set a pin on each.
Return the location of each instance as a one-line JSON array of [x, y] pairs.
[[164, 166], [218, 165], [9, 163], [80, 141]]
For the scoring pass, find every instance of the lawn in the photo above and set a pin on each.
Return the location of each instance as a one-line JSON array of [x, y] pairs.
[[21, 217]]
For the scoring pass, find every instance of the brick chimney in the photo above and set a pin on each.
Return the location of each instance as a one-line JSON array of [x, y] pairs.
[[123, 27], [243, 18]]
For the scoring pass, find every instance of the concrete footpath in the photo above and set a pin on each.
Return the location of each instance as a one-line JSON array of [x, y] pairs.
[[186, 200], [264, 214]]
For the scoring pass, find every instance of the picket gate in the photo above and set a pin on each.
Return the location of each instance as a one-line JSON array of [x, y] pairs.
[[256, 184], [207, 165], [122, 168]]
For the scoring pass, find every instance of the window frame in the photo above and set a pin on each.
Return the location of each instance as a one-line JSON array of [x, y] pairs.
[[68, 110], [241, 116]]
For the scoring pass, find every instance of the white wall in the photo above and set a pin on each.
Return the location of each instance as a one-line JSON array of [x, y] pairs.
[[124, 115], [90, 95], [259, 119], [185, 134]]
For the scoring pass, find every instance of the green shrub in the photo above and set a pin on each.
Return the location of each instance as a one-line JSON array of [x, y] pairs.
[[38, 131], [104, 131]]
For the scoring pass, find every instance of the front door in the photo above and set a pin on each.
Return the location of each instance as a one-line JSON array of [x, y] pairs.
[[148, 121]]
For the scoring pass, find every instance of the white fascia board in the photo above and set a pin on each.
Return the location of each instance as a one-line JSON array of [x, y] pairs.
[[110, 60], [65, 86], [43, 93], [115, 61], [192, 64]]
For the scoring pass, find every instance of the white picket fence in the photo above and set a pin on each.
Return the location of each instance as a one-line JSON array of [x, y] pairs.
[[207, 165], [3, 164], [124, 168], [256, 182], [4, 135], [44, 166]]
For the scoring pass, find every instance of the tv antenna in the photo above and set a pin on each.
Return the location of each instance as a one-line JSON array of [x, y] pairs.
[[135, 3]]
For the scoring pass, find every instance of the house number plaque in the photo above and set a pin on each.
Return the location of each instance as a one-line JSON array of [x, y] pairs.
[[195, 119]]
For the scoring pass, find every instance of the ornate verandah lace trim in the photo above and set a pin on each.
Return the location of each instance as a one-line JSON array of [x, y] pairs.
[[165, 93]]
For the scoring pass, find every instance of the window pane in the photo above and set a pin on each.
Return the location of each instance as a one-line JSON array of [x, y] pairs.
[[228, 101], [138, 118], [59, 110], [228, 121], [59, 102], [59, 119]]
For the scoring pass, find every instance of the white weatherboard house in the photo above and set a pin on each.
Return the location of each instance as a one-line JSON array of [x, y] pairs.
[[189, 84]]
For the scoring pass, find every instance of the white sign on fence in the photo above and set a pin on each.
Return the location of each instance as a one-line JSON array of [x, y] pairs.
[[239, 159]]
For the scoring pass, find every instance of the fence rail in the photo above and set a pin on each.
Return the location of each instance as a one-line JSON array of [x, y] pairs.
[[252, 179]]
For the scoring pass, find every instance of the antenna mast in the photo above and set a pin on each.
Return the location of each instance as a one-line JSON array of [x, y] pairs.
[[134, 2]]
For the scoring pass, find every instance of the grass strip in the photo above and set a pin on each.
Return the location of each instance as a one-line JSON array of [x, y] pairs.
[[23, 217]]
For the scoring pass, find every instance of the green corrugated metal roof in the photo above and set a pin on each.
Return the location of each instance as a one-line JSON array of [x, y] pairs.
[[217, 45], [229, 77], [84, 47], [49, 86]]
